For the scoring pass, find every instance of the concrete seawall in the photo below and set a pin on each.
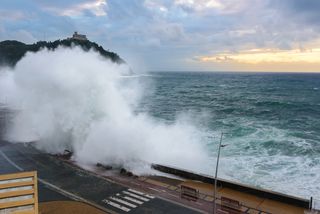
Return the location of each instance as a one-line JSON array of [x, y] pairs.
[[304, 203]]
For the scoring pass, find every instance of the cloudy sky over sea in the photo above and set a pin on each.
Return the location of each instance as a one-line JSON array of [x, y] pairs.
[[232, 35]]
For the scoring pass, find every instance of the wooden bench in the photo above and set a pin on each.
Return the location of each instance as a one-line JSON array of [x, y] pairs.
[[189, 193], [222, 211], [230, 204], [19, 193]]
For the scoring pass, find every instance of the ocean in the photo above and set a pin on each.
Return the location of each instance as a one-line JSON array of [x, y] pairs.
[[270, 121]]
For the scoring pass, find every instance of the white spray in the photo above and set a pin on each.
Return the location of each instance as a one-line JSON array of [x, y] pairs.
[[71, 99]]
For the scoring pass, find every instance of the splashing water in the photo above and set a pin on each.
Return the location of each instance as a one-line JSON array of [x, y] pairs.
[[71, 99]]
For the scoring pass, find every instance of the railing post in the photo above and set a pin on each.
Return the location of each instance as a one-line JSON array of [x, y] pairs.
[[215, 177]]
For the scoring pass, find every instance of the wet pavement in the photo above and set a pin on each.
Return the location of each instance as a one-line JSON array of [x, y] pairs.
[[61, 181]]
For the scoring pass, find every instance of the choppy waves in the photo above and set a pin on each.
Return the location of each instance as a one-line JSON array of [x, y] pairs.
[[271, 124]]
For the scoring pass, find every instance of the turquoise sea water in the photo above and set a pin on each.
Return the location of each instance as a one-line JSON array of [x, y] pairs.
[[271, 123]]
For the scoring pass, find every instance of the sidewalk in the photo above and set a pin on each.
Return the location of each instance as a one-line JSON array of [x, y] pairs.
[[67, 207], [251, 203]]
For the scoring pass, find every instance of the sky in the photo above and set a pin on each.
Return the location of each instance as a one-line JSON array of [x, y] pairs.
[[179, 35]]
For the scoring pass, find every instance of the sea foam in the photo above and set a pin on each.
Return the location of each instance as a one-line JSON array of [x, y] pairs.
[[76, 100]]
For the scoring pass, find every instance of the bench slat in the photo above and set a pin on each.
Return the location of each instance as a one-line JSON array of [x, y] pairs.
[[16, 184], [17, 175], [17, 203], [16, 193]]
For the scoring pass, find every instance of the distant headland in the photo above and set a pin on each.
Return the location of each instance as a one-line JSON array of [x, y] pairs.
[[11, 51]]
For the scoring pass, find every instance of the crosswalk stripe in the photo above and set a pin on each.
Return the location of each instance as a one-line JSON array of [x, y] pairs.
[[135, 196], [123, 202], [141, 193], [116, 205], [132, 199]]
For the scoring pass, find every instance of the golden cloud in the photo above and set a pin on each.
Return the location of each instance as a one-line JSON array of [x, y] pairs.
[[260, 56]]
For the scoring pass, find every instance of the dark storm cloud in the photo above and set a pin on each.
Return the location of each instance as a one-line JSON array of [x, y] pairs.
[[307, 11], [302, 6]]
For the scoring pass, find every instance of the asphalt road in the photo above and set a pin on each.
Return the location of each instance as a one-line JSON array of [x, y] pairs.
[[60, 181]]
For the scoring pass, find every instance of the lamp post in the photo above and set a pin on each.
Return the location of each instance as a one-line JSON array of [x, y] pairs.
[[215, 177]]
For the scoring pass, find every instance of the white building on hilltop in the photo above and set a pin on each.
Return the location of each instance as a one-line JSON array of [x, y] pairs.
[[79, 36]]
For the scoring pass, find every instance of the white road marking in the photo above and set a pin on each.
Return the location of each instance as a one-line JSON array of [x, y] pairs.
[[126, 209], [141, 193], [135, 196], [123, 202], [133, 182], [173, 195], [10, 161], [154, 189], [63, 192], [132, 199], [136, 191]]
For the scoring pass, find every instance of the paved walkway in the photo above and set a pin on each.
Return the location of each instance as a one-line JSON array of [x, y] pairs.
[[67, 181]]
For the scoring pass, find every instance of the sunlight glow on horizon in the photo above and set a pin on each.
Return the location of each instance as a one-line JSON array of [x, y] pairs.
[[268, 59], [256, 56]]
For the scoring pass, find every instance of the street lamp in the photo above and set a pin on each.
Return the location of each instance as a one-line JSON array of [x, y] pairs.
[[215, 178]]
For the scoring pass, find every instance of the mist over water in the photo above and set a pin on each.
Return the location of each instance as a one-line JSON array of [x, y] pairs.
[[76, 100]]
